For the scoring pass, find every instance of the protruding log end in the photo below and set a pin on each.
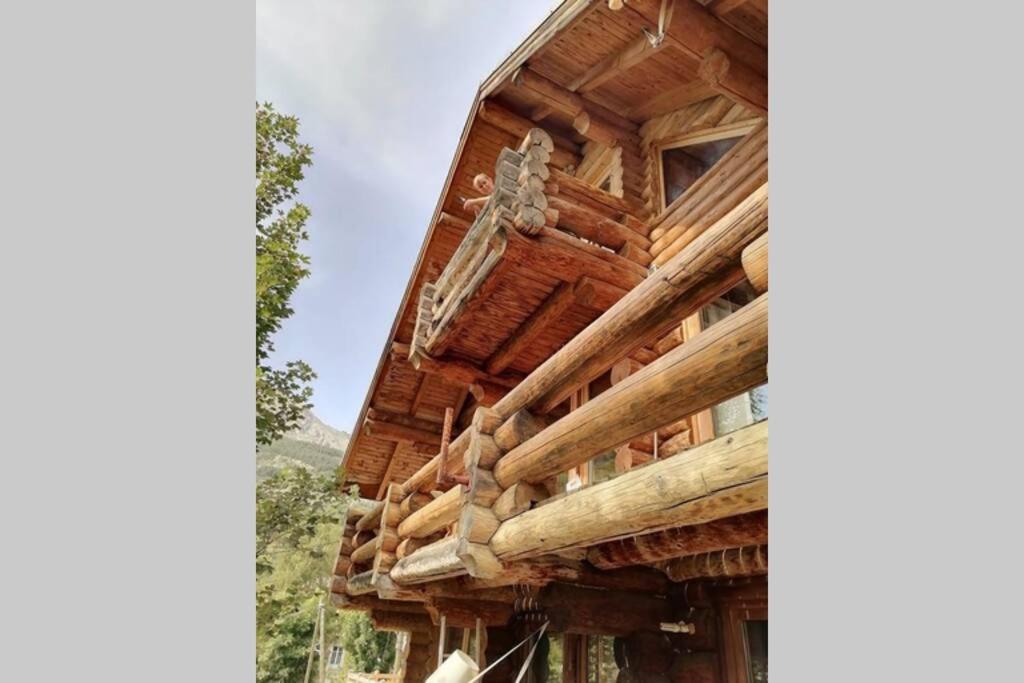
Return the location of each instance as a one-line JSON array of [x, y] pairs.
[[755, 263]]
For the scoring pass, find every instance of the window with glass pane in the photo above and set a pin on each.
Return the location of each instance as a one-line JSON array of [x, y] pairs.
[[601, 667], [752, 406], [756, 633]]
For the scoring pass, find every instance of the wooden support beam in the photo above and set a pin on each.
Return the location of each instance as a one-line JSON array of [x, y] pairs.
[[359, 507], [371, 519], [477, 523], [566, 152], [390, 431], [520, 427], [568, 102], [696, 31], [725, 360], [364, 553], [410, 545], [622, 209], [435, 516], [714, 269], [735, 80], [401, 621], [704, 270], [598, 129], [478, 559], [464, 613], [435, 561], [413, 502], [729, 532], [564, 296], [594, 225], [615, 64], [359, 584], [483, 452], [455, 371], [755, 263], [724, 477], [518, 499], [746, 561], [485, 420], [572, 609]]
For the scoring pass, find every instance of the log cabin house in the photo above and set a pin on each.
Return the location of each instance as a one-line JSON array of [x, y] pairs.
[[568, 423]]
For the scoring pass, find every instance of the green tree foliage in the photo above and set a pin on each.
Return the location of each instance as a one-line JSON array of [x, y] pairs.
[[298, 524], [282, 395], [369, 651], [290, 507]]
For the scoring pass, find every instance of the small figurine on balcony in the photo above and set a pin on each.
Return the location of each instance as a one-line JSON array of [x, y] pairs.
[[482, 183]]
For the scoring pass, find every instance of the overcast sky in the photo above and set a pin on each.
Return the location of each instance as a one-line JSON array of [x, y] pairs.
[[382, 89]]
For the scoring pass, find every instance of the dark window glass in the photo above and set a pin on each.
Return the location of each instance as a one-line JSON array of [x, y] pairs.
[[757, 651], [681, 166]]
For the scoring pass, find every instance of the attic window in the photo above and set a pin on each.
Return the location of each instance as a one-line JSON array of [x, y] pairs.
[[682, 165]]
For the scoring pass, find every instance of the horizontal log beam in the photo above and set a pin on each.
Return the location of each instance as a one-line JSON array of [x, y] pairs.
[[436, 561], [435, 516], [379, 415], [572, 609], [365, 552], [455, 371], [566, 101], [566, 152], [390, 431], [360, 506], [729, 532], [402, 621], [371, 519], [691, 490], [615, 64], [705, 269], [746, 561], [359, 584], [696, 31], [723, 361], [622, 209], [594, 225]]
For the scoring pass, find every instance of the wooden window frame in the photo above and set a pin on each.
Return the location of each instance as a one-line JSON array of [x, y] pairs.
[[750, 603], [739, 129]]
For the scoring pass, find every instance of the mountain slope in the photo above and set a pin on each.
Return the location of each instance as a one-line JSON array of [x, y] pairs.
[[313, 444]]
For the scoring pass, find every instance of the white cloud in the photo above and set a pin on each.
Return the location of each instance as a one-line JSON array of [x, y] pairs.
[[357, 71]]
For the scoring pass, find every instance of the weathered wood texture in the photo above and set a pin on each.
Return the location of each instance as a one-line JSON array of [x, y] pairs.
[[572, 609], [704, 270], [755, 263], [435, 561], [434, 516], [745, 561], [721, 478], [742, 170], [730, 532], [725, 360]]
